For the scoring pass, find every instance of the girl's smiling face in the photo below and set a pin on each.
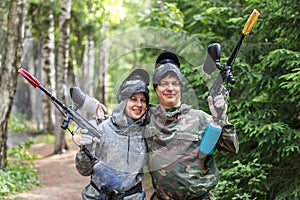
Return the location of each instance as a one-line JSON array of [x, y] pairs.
[[136, 106]]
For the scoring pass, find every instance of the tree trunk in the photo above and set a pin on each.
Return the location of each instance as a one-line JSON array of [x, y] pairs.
[[62, 69], [87, 78], [48, 75], [24, 98], [39, 95], [11, 63], [104, 59], [75, 80]]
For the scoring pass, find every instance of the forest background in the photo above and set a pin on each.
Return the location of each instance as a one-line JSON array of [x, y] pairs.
[[94, 44]]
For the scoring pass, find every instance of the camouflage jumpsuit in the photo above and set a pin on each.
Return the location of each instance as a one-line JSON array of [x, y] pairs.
[[177, 168], [123, 148]]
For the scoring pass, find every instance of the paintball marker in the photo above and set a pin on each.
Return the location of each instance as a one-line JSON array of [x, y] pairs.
[[213, 60], [211, 63], [108, 177]]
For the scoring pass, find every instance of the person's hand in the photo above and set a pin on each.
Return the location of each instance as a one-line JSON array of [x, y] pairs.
[[217, 103], [100, 111], [93, 106], [87, 139]]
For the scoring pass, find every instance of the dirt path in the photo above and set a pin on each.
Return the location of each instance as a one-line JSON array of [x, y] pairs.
[[59, 177]]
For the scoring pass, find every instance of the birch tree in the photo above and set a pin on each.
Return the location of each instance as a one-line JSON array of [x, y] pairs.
[[11, 62], [48, 73], [87, 78], [104, 59], [62, 68], [24, 100]]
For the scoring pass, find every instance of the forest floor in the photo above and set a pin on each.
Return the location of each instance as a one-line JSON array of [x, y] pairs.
[[58, 175]]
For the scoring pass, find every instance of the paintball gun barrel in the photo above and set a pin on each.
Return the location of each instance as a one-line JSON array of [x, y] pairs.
[[107, 176], [69, 113], [212, 61]]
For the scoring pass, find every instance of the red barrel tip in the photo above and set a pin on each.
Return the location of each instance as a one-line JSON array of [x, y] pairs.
[[31, 79]]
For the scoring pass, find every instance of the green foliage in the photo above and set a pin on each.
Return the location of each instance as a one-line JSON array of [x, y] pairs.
[[243, 181], [87, 17], [39, 13], [288, 61], [166, 15], [207, 19], [279, 24], [45, 138], [19, 175], [292, 84], [197, 80], [265, 134], [18, 123], [20, 152], [17, 178]]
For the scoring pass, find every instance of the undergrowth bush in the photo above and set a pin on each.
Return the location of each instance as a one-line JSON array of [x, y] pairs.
[[45, 138], [19, 175], [18, 123], [233, 181]]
